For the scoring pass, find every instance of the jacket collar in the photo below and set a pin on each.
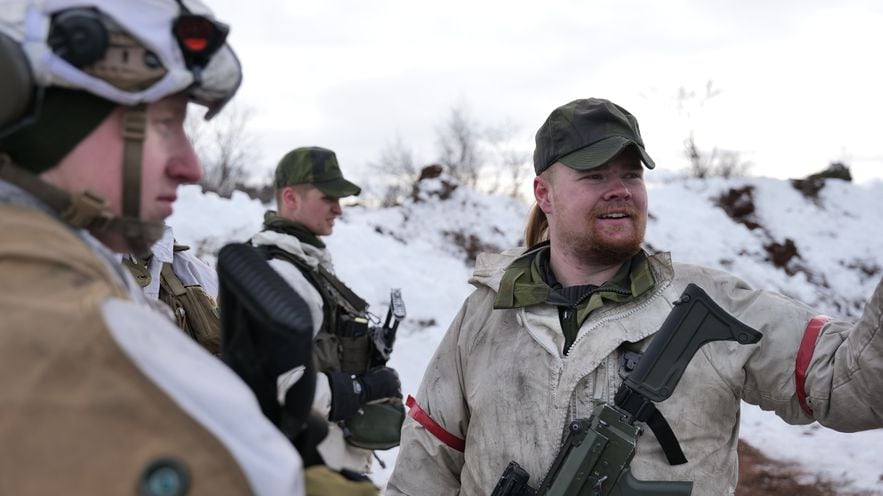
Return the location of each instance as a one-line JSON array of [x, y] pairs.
[[521, 283], [277, 223]]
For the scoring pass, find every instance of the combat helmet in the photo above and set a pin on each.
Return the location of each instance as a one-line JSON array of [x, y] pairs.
[[67, 64]]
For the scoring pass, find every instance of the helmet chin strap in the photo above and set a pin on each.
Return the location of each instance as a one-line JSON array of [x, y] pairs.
[[89, 210], [140, 235]]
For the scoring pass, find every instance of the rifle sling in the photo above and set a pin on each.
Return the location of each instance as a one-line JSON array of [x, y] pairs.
[[666, 437], [642, 409]]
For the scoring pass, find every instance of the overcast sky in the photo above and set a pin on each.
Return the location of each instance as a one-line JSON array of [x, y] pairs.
[[800, 82]]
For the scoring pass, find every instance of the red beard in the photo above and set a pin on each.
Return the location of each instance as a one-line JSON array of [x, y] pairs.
[[601, 244]]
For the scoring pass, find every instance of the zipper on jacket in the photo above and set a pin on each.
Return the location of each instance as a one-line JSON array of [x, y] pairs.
[[607, 318], [567, 316]]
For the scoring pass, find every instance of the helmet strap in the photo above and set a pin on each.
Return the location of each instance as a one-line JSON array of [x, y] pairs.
[[87, 209], [134, 131], [57, 199]]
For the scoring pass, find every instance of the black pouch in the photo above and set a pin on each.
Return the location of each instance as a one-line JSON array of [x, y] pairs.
[[355, 344]]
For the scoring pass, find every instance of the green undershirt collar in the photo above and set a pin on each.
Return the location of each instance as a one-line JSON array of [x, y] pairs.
[[523, 284], [275, 222]]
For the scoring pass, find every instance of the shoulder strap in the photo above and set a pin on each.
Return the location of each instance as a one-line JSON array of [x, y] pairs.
[[270, 252], [316, 276], [343, 290], [171, 281]]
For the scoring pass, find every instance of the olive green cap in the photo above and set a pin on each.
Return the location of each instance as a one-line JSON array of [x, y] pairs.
[[317, 166], [585, 134]]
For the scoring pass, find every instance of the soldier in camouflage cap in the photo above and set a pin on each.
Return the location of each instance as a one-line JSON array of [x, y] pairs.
[[309, 185], [317, 166], [545, 337], [585, 134]]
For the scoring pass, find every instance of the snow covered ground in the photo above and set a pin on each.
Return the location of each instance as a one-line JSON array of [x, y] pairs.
[[419, 247]]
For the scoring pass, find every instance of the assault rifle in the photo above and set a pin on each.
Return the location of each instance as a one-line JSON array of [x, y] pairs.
[[597, 452], [384, 337]]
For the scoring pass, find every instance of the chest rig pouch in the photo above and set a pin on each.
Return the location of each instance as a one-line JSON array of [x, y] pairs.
[[344, 344], [195, 311]]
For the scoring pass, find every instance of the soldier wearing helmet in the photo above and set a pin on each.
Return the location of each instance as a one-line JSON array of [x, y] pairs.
[[101, 394]]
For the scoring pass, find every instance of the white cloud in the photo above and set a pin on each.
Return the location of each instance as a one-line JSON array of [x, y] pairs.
[[799, 80]]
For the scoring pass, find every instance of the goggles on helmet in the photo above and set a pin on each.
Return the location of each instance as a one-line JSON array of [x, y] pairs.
[[126, 51]]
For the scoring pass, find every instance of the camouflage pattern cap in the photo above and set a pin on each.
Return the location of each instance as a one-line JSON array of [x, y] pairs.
[[317, 166], [585, 134]]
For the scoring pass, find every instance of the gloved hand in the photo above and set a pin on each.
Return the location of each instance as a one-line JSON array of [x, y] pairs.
[[350, 392]]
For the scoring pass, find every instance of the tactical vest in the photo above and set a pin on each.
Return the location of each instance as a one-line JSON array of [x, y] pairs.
[[343, 344], [195, 311]]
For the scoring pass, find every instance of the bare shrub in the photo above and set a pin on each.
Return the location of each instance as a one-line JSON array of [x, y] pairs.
[[703, 162], [225, 147], [812, 184], [458, 144], [396, 171]]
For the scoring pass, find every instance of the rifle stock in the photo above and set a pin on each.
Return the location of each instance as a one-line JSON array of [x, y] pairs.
[[266, 336], [694, 321]]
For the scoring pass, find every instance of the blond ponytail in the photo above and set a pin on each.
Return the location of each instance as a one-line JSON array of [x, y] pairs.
[[537, 228]]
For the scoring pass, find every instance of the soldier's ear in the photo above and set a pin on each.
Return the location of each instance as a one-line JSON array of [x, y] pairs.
[[290, 199], [542, 192]]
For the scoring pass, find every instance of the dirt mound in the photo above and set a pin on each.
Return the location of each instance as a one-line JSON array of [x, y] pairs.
[[762, 476]]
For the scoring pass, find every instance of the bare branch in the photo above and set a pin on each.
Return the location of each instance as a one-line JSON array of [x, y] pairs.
[[458, 143], [225, 147]]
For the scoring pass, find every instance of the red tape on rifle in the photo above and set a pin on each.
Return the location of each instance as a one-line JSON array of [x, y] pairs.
[[423, 418], [804, 356]]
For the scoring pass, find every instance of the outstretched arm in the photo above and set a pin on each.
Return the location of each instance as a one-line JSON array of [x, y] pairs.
[[844, 376]]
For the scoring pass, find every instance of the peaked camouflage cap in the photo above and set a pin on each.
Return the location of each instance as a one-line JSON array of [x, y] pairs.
[[585, 134], [317, 166]]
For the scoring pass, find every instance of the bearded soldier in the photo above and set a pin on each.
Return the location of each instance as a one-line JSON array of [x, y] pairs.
[[544, 338]]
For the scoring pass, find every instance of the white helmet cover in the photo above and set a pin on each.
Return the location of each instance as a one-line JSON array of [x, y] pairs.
[[149, 22]]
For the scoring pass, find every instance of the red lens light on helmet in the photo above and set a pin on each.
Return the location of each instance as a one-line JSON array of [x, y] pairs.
[[199, 38], [195, 44]]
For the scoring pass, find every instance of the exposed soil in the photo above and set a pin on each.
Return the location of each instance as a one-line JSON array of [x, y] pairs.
[[761, 476]]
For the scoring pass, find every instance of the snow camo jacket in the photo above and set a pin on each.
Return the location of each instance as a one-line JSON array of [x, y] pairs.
[[503, 390], [335, 451], [100, 393]]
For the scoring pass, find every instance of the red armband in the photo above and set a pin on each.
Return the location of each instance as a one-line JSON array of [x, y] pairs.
[[423, 418], [804, 356]]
